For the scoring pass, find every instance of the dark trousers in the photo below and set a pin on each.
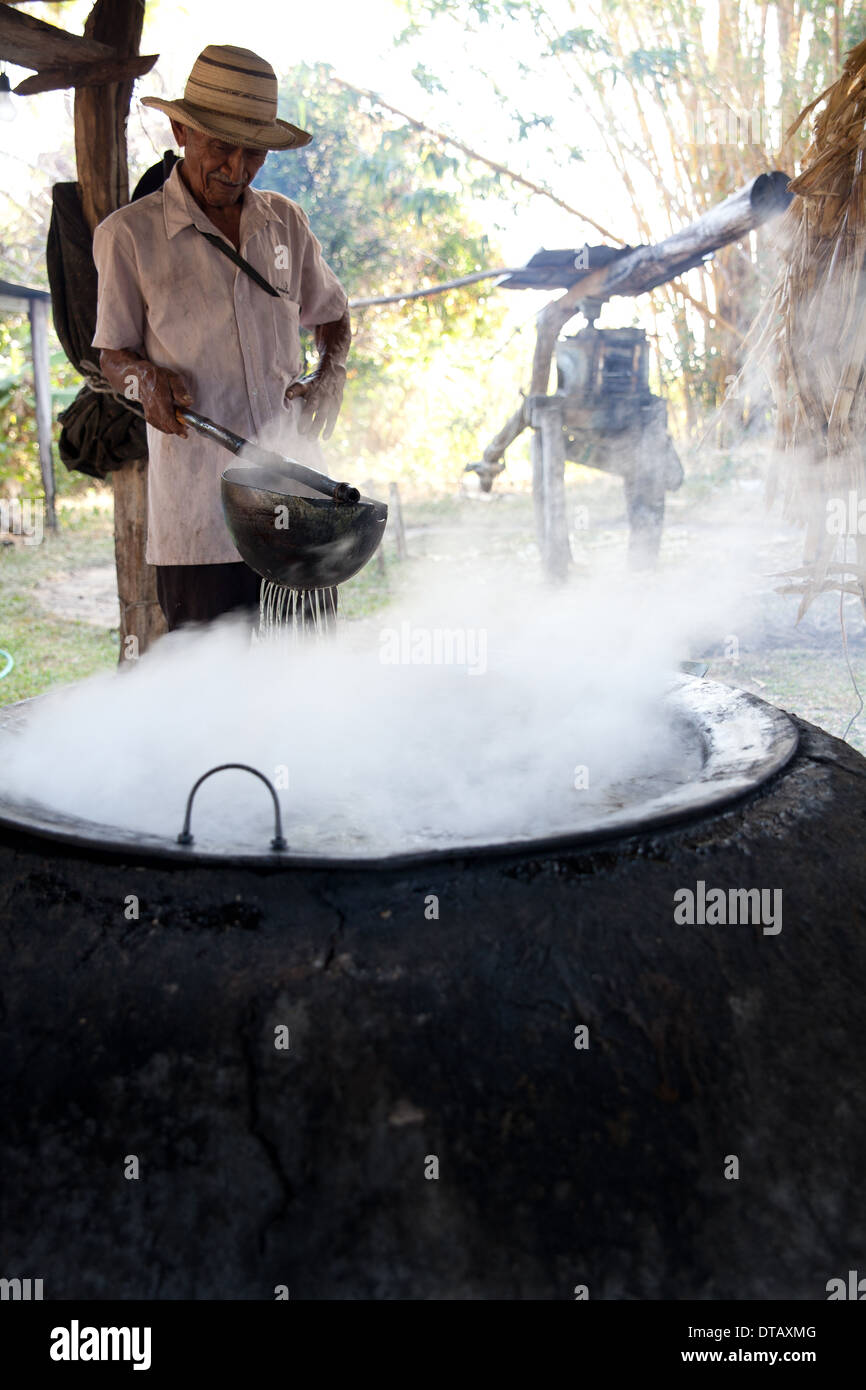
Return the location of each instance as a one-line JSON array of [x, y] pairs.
[[200, 593]]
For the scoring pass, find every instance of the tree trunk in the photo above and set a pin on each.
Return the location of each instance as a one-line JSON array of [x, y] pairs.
[[100, 151]]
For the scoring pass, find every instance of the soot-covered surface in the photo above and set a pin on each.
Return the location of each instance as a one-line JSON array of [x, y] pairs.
[[431, 1011]]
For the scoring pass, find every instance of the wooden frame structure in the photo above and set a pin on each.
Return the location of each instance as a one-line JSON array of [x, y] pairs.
[[629, 273], [101, 65]]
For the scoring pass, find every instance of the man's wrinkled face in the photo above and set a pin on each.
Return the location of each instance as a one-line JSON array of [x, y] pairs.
[[217, 173]]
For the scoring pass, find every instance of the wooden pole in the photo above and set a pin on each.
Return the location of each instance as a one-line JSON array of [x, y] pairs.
[[395, 516], [52, 79], [103, 175], [536, 453], [545, 416], [38, 312]]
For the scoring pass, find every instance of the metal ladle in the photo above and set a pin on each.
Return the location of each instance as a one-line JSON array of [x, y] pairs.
[[251, 453]]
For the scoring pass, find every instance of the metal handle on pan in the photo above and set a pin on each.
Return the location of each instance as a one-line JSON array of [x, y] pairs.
[[277, 843]]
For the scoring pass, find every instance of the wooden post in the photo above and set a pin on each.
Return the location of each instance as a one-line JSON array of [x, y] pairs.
[[370, 489], [645, 479], [395, 515], [545, 416], [103, 175], [101, 113], [536, 453], [38, 312]]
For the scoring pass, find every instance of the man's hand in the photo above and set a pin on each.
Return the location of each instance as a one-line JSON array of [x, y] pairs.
[[322, 395], [322, 390], [156, 389]]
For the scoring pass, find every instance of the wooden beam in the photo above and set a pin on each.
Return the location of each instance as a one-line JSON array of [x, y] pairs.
[[545, 416], [513, 426], [31, 43], [86, 74], [38, 310], [103, 174], [646, 267], [633, 273]]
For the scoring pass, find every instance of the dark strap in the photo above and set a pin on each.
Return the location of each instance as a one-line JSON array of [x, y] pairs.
[[154, 177], [239, 261]]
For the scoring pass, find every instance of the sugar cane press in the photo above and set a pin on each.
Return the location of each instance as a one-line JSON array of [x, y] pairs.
[[602, 411]]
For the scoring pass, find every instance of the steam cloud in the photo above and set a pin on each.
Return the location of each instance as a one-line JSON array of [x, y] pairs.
[[385, 755]]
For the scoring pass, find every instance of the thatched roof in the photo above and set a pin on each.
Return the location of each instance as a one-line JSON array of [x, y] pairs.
[[812, 336]]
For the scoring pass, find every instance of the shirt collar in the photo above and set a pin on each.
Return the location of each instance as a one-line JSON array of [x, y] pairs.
[[180, 209]]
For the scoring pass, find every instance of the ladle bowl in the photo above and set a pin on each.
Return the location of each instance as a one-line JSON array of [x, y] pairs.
[[295, 535]]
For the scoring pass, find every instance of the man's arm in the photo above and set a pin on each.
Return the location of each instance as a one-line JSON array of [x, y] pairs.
[[157, 390], [333, 340], [120, 330], [322, 390]]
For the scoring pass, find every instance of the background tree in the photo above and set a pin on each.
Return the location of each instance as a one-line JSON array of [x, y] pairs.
[[690, 101], [389, 207]]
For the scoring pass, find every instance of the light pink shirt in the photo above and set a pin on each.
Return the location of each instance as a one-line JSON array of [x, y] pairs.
[[168, 293]]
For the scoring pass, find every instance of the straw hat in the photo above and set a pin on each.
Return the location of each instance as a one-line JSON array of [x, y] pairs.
[[231, 94]]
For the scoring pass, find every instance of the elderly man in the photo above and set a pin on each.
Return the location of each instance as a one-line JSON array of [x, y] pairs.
[[203, 287]]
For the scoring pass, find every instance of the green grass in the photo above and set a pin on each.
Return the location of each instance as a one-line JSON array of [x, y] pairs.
[[812, 684], [47, 650], [51, 651], [369, 591]]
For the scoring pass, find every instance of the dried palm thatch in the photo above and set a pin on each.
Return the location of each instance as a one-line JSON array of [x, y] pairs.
[[811, 336]]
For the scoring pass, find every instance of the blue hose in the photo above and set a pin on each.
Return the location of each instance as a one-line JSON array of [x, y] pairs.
[[9, 664]]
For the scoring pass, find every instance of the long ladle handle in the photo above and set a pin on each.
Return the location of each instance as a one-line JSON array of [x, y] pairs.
[[236, 444]]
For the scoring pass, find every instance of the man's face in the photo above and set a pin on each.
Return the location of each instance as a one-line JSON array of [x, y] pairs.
[[217, 173]]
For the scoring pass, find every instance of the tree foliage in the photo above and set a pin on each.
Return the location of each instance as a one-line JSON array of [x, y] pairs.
[[388, 205], [690, 101]]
